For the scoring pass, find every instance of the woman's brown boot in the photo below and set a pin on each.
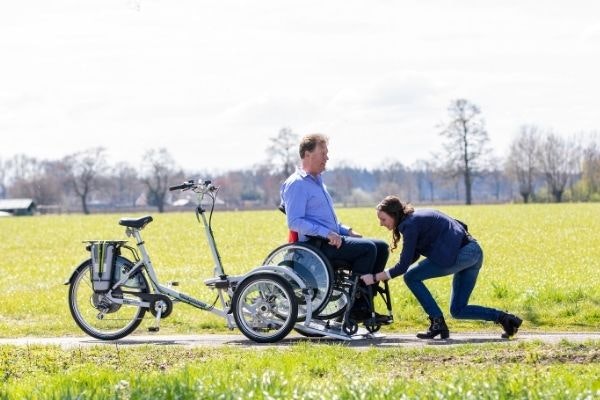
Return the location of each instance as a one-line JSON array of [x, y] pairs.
[[510, 323], [438, 327]]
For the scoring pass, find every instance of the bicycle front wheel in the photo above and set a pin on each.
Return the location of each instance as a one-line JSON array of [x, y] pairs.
[[265, 308], [96, 314]]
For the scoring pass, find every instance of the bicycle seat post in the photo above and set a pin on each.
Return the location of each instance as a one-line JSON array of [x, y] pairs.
[[136, 233]]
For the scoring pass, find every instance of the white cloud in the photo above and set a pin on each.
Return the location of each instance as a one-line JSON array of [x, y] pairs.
[[212, 81]]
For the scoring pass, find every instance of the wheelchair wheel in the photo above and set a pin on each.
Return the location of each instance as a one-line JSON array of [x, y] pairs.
[[99, 317], [312, 267], [372, 327], [350, 327], [265, 307], [336, 306]]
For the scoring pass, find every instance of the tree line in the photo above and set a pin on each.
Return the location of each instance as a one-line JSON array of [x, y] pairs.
[[541, 166]]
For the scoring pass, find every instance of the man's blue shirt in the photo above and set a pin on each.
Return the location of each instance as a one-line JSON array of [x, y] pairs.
[[309, 207]]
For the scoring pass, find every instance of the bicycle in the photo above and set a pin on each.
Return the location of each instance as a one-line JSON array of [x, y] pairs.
[[109, 294]]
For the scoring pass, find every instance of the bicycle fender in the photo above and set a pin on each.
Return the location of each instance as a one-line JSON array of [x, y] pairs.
[[80, 266], [277, 270]]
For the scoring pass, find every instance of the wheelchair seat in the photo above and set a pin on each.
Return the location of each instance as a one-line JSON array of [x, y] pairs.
[[334, 286]]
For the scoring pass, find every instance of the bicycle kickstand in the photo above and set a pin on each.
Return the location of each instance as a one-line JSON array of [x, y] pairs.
[[156, 326]]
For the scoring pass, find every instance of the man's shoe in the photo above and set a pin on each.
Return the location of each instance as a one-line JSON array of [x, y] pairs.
[[361, 315], [384, 319]]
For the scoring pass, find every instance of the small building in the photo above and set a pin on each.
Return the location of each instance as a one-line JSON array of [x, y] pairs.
[[18, 206]]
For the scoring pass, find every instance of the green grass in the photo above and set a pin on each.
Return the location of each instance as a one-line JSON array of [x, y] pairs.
[[305, 370], [541, 262]]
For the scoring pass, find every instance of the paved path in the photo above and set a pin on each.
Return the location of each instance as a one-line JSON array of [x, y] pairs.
[[383, 340]]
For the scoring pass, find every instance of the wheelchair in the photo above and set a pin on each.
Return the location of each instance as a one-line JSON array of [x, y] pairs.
[[333, 290]]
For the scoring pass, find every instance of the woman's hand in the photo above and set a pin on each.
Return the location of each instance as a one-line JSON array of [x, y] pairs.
[[368, 279]]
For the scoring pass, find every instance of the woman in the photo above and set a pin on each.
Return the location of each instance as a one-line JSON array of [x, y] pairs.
[[448, 250]]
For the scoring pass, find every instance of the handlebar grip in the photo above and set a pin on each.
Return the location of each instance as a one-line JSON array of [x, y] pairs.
[[177, 187]]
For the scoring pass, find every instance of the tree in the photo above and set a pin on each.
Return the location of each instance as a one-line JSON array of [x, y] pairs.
[[3, 177], [427, 174], [44, 181], [556, 159], [591, 166], [283, 152], [522, 159], [83, 170], [269, 184], [394, 177], [158, 169], [495, 177], [125, 184], [467, 141]]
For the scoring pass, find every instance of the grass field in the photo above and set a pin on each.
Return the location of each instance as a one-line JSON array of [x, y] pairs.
[[303, 371], [541, 263]]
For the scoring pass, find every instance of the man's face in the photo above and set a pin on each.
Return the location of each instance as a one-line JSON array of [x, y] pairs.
[[315, 161]]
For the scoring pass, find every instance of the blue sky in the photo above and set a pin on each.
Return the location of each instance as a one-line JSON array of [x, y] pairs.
[[212, 81]]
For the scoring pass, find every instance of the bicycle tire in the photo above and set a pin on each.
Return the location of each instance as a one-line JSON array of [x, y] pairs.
[[86, 305], [265, 307]]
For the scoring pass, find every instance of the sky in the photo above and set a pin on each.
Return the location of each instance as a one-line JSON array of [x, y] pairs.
[[213, 81]]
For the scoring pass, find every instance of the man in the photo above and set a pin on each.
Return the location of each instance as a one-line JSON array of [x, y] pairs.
[[310, 213]]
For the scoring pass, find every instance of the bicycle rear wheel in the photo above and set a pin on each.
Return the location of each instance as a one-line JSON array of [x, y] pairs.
[[96, 314]]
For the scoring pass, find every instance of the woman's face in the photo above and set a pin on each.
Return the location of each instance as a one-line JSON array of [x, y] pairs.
[[386, 220]]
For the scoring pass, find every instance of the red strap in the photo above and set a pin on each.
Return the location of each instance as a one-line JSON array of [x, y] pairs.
[[292, 237]]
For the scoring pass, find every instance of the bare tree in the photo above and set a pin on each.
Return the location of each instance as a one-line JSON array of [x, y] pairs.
[[495, 176], [44, 181], [126, 185], [394, 177], [522, 159], [427, 175], [158, 169], [3, 177], [467, 141], [283, 152], [83, 172], [556, 159], [591, 165], [269, 184]]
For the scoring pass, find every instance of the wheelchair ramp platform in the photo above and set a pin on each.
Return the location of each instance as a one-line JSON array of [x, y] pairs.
[[332, 329]]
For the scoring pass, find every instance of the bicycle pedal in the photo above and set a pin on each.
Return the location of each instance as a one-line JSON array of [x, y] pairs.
[[153, 329]]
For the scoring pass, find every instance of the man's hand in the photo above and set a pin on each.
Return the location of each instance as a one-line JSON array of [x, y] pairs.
[[352, 233], [334, 239]]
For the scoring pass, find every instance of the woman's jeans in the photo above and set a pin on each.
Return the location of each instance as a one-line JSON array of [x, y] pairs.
[[465, 270]]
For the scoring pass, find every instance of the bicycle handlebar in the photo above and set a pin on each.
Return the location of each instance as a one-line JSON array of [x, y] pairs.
[[183, 186], [203, 186]]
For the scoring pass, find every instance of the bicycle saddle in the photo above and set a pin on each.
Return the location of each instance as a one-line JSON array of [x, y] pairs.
[[137, 223]]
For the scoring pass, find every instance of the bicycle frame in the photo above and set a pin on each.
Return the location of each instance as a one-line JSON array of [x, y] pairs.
[[144, 263], [224, 284], [262, 303]]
